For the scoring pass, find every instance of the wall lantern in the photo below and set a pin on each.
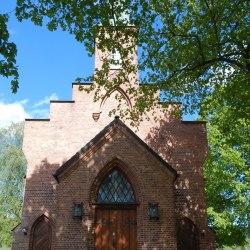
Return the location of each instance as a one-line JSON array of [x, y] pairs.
[[153, 211], [78, 210], [203, 232], [25, 230]]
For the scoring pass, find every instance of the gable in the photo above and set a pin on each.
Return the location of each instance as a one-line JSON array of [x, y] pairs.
[[100, 139]]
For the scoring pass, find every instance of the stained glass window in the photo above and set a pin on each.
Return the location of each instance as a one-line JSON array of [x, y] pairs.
[[116, 188]]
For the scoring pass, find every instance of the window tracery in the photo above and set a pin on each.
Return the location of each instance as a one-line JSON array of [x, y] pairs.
[[116, 188]]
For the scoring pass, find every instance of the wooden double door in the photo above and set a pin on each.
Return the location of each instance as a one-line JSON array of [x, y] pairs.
[[115, 229]]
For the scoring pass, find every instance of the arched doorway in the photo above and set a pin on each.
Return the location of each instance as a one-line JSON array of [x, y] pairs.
[[187, 236], [41, 234], [115, 218]]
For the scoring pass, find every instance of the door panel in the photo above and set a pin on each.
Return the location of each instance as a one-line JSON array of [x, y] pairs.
[[132, 230], [123, 235], [187, 235], [41, 235], [115, 229]]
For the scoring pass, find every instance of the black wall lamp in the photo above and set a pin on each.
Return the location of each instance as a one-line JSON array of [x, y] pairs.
[[78, 210], [153, 210], [25, 230], [203, 232]]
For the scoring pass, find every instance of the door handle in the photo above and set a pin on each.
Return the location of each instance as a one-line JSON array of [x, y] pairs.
[[113, 240]]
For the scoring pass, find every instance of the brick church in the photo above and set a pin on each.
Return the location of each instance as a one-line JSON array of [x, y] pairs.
[[95, 182]]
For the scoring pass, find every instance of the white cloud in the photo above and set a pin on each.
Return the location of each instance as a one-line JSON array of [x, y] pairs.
[[46, 100], [18, 111], [23, 102], [12, 112]]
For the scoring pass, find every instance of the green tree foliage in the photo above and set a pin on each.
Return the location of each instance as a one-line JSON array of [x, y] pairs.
[[8, 51], [186, 47], [227, 173], [12, 172]]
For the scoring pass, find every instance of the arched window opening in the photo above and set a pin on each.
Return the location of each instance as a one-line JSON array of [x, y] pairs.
[[187, 235], [41, 234], [115, 188], [115, 61]]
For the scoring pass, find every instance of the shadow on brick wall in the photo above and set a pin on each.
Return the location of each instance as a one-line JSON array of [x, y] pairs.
[[184, 146], [39, 199]]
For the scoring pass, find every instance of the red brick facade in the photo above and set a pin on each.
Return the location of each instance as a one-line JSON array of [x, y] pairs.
[[163, 160]]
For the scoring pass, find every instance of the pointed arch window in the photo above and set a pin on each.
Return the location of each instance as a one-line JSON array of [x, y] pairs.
[[116, 188]]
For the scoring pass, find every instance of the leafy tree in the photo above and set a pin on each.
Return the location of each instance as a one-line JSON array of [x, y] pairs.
[[186, 47], [8, 51], [12, 171], [227, 175]]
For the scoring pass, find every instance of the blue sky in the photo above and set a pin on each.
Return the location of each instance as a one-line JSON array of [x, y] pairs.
[[48, 64]]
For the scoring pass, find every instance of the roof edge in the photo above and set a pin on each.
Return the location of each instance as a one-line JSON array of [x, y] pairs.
[[82, 83], [37, 120], [173, 102], [15, 227], [76, 156], [194, 122], [62, 101], [107, 129], [156, 155]]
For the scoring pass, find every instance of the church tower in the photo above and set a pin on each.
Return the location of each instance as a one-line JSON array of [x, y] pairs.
[[96, 182], [116, 72]]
